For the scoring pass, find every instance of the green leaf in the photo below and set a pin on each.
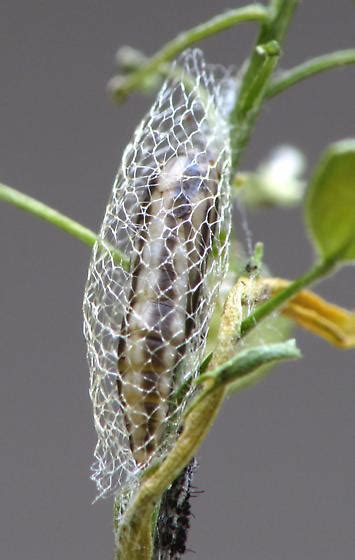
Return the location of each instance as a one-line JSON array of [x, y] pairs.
[[330, 203], [248, 361]]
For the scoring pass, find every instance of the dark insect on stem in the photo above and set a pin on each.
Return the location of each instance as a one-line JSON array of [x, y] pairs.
[[174, 516]]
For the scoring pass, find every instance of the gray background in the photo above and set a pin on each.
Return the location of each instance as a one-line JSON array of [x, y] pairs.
[[278, 467]]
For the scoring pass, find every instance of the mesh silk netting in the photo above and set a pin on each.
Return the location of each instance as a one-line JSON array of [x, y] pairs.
[[146, 326]]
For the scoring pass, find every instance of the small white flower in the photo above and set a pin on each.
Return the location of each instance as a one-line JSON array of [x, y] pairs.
[[278, 180]]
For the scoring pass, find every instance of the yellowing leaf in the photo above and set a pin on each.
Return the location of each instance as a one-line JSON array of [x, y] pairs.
[[333, 323]]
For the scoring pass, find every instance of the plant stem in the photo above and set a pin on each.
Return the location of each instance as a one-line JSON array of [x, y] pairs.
[[314, 274], [123, 86], [41, 210], [135, 535], [256, 77], [310, 68], [37, 208]]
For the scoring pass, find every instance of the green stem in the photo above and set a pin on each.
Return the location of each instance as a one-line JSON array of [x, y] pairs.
[[310, 68], [134, 539], [121, 87], [37, 208], [315, 273], [256, 77]]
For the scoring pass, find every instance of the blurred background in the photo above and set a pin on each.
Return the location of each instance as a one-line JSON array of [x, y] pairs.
[[278, 466]]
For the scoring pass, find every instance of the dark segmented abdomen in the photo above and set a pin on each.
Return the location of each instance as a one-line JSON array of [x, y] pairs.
[[176, 229]]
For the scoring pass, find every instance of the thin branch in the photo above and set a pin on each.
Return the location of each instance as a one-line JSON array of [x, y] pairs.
[[122, 86], [37, 208], [262, 63], [313, 275], [310, 68]]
